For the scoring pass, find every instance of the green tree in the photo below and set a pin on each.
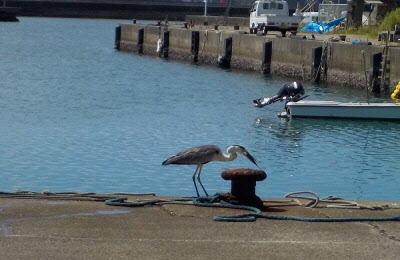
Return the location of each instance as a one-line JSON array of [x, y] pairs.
[[391, 19]]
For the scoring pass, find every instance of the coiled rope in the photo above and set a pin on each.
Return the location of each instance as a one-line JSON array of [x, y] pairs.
[[88, 196], [334, 202], [215, 201]]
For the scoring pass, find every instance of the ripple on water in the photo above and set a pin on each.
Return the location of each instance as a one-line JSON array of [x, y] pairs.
[[78, 115]]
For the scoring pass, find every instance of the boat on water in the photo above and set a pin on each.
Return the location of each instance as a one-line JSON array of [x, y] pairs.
[[295, 106], [333, 109]]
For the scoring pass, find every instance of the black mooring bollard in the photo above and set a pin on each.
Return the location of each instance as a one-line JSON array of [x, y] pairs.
[[195, 45], [140, 40], [267, 57], [117, 43], [316, 62], [165, 45], [225, 60], [243, 186], [374, 83]]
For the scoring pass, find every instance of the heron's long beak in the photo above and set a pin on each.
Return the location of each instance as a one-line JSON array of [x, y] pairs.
[[250, 157]]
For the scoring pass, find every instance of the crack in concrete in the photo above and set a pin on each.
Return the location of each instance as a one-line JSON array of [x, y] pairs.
[[383, 232]]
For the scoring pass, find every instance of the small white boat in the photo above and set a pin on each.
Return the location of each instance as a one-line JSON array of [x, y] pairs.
[[333, 109], [296, 106]]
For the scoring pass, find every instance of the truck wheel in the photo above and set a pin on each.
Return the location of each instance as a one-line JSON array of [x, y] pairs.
[[253, 29], [283, 33]]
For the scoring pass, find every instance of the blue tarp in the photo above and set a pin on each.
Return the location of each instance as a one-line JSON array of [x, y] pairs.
[[321, 28]]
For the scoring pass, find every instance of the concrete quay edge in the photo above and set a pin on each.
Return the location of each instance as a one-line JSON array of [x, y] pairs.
[[32, 228]]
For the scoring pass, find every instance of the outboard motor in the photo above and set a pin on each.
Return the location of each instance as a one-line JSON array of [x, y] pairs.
[[289, 92]]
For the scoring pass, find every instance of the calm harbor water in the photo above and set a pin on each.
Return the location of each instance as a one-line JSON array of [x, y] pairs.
[[76, 115]]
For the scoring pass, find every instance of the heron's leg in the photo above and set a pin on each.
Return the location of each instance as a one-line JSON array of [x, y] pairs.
[[194, 181], [201, 184]]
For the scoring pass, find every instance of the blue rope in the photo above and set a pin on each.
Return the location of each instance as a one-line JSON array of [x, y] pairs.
[[121, 202], [252, 217], [210, 201]]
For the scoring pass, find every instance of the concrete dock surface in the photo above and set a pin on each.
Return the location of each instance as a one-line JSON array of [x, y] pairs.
[[41, 228]]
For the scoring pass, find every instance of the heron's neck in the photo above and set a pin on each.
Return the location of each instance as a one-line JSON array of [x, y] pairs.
[[228, 157]]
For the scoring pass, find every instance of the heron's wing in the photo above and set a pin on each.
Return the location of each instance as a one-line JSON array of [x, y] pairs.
[[195, 155]]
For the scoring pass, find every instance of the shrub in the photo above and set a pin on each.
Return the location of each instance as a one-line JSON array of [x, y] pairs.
[[391, 19]]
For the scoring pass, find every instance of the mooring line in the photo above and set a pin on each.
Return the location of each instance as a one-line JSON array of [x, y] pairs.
[[215, 201]]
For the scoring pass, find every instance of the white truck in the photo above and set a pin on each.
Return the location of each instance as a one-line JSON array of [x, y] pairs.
[[273, 15]]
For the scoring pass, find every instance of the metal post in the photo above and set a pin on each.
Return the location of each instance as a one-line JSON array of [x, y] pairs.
[[205, 7]]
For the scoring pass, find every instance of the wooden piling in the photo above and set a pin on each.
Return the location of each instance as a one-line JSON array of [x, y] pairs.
[[267, 57], [316, 63], [195, 45], [225, 60], [165, 45], [140, 38], [117, 43], [375, 64]]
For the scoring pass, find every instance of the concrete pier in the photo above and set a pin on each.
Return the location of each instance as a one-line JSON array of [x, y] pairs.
[[71, 229], [125, 9], [346, 64]]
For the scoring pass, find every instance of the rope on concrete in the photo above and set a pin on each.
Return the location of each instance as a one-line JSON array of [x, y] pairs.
[[121, 202], [311, 204], [211, 202], [253, 217], [88, 196], [333, 202], [216, 202], [208, 201]]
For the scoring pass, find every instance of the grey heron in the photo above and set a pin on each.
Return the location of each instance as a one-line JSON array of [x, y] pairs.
[[201, 155]]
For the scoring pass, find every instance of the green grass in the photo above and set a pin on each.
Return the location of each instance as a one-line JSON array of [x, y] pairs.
[[368, 31], [391, 19]]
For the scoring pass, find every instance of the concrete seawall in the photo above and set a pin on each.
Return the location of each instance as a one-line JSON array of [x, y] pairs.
[[346, 64]]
